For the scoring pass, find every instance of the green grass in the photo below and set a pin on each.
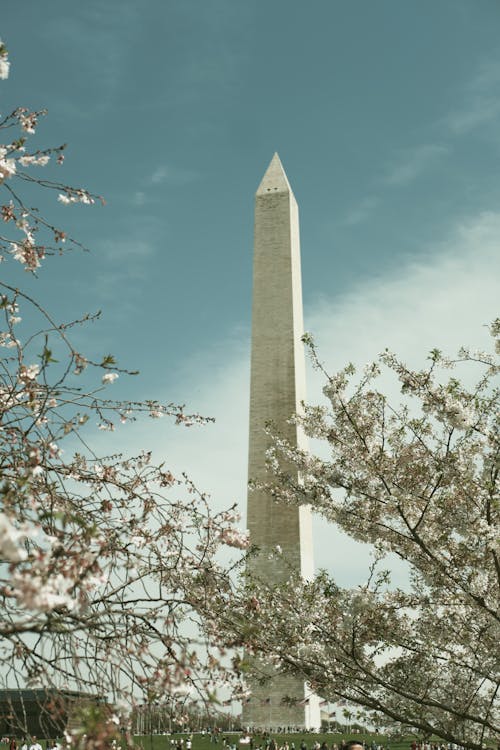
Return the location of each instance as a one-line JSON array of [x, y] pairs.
[[202, 742]]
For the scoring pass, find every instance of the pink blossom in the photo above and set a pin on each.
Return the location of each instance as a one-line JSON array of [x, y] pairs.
[[235, 538]]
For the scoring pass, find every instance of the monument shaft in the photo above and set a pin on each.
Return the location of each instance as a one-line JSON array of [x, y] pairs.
[[277, 387]]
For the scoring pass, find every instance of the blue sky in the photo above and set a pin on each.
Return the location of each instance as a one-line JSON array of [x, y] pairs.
[[386, 116]]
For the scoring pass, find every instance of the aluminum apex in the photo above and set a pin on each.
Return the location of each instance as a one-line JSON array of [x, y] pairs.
[[275, 179]]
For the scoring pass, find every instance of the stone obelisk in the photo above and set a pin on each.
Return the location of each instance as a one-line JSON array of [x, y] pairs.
[[277, 387]]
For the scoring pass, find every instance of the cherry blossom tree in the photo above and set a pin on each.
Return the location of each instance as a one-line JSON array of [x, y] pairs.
[[105, 561], [418, 480]]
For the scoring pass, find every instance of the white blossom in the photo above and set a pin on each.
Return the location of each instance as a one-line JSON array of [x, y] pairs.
[[10, 538], [76, 196], [32, 592], [235, 538], [38, 161], [4, 68], [459, 416], [7, 168], [28, 123], [29, 372]]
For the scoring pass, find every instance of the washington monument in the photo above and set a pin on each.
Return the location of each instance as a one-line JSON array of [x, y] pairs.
[[277, 387]]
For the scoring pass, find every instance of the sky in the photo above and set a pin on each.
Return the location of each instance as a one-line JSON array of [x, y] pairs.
[[386, 117]]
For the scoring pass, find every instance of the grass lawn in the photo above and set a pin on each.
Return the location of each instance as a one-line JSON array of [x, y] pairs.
[[202, 742]]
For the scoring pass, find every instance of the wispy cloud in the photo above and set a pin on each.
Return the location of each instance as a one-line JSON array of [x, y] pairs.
[[223, 44], [124, 259], [406, 167], [139, 198], [413, 162], [162, 175], [481, 101], [172, 175], [362, 211], [483, 110], [100, 36], [127, 249], [443, 299]]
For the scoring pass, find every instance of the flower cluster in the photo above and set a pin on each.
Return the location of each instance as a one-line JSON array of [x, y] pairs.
[[105, 557], [419, 480], [4, 62], [11, 538], [32, 237]]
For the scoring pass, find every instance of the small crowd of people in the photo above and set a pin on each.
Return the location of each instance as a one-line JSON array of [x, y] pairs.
[[258, 741], [182, 744], [29, 744], [266, 742], [26, 743], [434, 746], [269, 743]]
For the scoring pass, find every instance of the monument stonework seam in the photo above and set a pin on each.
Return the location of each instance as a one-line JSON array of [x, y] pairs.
[[277, 388]]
